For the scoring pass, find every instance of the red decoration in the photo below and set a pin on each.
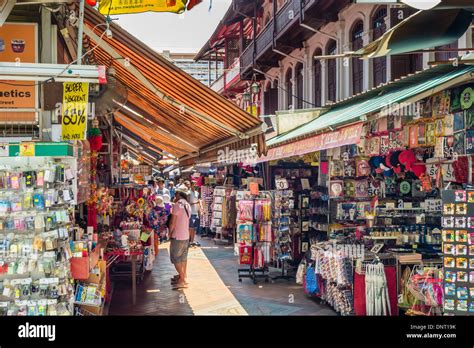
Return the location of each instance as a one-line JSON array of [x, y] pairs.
[[91, 2]]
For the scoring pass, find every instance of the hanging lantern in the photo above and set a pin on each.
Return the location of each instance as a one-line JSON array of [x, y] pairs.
[[247, 96], [95, 136], [255, 88], [92, 3]]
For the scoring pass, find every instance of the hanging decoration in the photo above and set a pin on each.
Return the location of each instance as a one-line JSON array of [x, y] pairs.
[[117, 7], [95, 141]]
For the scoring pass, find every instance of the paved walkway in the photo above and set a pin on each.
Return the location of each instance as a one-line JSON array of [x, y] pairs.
[[214, 289]]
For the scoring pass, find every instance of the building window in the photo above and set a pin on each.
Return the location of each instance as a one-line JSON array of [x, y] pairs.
[[442, 56], [289, 89], [380, 64], [332, 71], [317, 78], [299, 74], [271, 98], [357, 64]]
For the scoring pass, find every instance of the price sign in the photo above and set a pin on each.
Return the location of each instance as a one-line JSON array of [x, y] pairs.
[[281, 184], [74, 115]]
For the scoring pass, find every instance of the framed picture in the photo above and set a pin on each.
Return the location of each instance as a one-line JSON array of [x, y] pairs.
[[336, 189]]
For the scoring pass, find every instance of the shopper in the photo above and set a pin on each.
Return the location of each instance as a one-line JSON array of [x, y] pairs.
[[160, 189], [158, 218], [179, 234], [172, 189], [196, 209]]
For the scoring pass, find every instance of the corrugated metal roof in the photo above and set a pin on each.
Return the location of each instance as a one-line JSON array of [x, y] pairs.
[[351, 110]]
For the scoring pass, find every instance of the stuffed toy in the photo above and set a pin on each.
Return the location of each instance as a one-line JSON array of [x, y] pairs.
[[407, 158]]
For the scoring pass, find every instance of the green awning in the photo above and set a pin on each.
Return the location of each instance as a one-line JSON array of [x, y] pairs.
[[424, 29], [374, 100]]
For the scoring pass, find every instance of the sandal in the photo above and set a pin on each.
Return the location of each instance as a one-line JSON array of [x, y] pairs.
[[179, 286]]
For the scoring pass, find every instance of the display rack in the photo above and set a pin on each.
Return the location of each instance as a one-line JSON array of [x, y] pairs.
[[38, 186], [256, 241]]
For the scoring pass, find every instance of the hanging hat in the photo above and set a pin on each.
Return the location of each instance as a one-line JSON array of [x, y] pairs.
[[407, 158], [418, 169], [394, 160], [372, 163], [388, 173]]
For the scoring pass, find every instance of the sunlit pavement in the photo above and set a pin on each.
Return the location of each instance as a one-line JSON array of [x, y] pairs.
[[213, 289]]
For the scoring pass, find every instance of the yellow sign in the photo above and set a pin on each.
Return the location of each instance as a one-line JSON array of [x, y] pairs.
[[74, 116], [27, 149], [116, 7]]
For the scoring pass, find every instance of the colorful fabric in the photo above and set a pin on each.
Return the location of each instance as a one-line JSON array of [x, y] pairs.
[[158, 218]]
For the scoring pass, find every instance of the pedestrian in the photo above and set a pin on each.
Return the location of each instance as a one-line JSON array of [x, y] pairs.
[[196, 209], [158, 218], [179, 234], [172, 189], [160, 189]]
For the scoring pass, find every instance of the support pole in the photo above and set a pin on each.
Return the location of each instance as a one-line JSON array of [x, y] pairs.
[[80, 32]]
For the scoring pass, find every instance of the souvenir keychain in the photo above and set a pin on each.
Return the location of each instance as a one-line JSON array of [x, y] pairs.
[[450, 290], [460, 196], [461, 262], [449, 249], [462, 305], [15, 181], [40, 179], [461, 249], [461, 236], [449, 304], [38, 200], [462, 277], [470, 196], [448, 209], [449, 262], [461, 209], [448, 222]]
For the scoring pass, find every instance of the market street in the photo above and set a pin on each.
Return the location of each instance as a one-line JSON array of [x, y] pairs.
[[214, 289]]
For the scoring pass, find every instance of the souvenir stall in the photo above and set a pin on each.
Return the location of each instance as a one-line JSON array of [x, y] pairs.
[[254, 233], [38, 192], [389, 193]]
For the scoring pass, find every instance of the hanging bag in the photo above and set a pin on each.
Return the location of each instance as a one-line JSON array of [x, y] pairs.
[[311, 281]]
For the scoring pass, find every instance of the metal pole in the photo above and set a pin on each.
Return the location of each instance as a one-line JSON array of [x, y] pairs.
[[80, 32]]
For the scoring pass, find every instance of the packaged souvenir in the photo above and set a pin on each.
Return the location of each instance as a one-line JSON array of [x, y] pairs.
[[470, 196], [462, 305], [49, 198], [471, 306], [448, 235], [40, 179], [4, 205], [16, 203], [30, 178], [471, 292], [461, 249], [449, 262], [15, 181], [38, 200], [448, 209], [470, 222], [471, 277], [448, 222], [462, 293], [450, 290], [461, 262], [449, 304], [471, 250], [462, 277], [449, 249], [461, 208], [461, 236], [460, 222], [460, 196], [27, 200], [471, 263]]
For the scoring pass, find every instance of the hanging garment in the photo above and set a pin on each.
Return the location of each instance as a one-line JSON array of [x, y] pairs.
[[311, 281]]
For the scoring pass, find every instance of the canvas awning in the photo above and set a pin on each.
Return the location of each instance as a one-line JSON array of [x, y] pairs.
[[422, 30], [351, 111], [177, 113]]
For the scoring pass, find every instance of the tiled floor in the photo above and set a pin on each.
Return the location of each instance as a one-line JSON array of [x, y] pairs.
[[214, 290]]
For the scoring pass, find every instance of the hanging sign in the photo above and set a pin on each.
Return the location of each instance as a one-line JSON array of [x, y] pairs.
[[27, 149], [281, 184], [4, 150], [115, 7], [74, 115]]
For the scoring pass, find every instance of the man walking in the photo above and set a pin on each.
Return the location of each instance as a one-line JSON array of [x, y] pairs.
[[161, 190], [179, 234], [196, 208], [172, 189]]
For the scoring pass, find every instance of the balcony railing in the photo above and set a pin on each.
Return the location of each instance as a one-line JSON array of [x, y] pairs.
[[265, 38], [218, 85], [286, 15], [247, 58]]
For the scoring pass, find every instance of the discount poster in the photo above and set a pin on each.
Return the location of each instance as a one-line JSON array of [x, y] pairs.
[[74, 115]]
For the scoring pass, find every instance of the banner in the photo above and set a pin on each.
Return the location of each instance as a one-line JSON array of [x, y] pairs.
[[344, 136], [18, 44], [116, 7], [74, 115]]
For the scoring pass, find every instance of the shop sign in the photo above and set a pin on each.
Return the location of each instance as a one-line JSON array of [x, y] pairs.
[[344, 136], [4, 150], [27, 149], [6, 7], [74, 115], [116, 7], [18, 44]]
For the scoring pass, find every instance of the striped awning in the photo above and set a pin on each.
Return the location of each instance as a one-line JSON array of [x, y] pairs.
[[177, 113]]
